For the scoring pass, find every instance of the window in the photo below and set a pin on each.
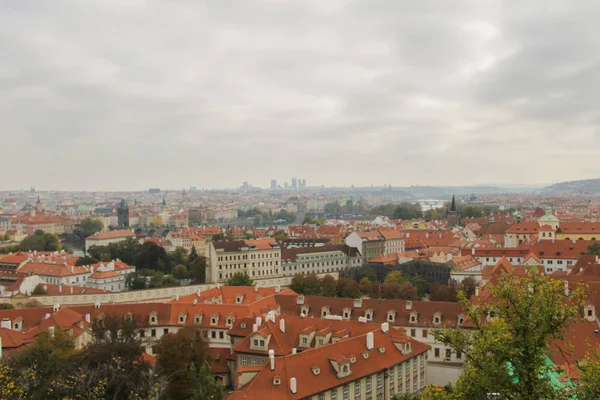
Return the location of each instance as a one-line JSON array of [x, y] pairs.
[[255, 342], [305, 341], [321, 342], [334, 394], [253, 361], [213, 334], [166, 331], [357, 389], [153, 332], [424, 333], [458, 355], [262, 343], [221, 335], [368, 384], [346, 390], [436, 352], [448, 354], [379, 380], [321, 396], [413, 332]]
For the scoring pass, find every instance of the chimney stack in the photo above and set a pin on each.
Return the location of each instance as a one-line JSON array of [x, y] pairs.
[[294, 351], [56, 307], [258, 321], [88, 319], [385, 327], [293, 385], [370, 341], [254, 327], [51, 331], [272, 359], [277, 289], [71, 289], [408, 305], [300, 299], [195, 301], [282, 325], [256, 287]]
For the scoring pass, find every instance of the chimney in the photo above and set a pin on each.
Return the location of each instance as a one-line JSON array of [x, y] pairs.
[[293, 385], [56, 307], [72, 269], [300, 299], [362, 319], [51, 331], [254, 327], [277, 289], [71, 289], [6, 323], [472, 251], [357, 303], [408, 305], [256, 287], [258, 321], [60, 288], [97, 305], [566, 283], [195, 301], [45, 287], [294, 351], [176, 297], [272, 359], [370, 341], [385, 327], [198, 291], [47, 316], [282, 325], [88, 319]]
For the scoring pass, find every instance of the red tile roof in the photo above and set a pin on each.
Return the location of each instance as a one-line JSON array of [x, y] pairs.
[[111, 235]]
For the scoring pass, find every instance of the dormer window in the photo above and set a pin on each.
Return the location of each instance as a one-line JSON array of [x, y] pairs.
[[461, 319], [413, 317], [369, 315], [243, 326], [391, 316], [365, 355], [153, 318], [197, 319], [315, 370], [324, 312], [277, 380], [437, 318], [345, 369], [228, 320]]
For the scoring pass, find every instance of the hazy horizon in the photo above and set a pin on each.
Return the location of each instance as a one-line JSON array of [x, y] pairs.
[[122, 95]]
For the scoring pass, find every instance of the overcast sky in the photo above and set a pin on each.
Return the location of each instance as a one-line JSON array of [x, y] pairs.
[[131, 94]]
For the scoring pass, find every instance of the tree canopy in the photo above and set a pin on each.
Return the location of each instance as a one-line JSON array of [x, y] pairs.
[[240, 279], [507, 349]]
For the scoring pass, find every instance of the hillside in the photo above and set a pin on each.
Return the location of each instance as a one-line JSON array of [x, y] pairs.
[[588, 186]]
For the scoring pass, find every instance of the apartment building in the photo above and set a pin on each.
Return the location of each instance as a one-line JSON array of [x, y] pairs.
[[317, 260], [418, 318], [375, 365], [371, 244], [105, 238], [260, 258]]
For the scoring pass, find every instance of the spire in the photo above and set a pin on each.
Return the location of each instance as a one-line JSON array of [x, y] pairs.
[[453, 206]]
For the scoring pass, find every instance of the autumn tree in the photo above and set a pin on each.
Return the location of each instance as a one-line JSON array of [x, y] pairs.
[[469, 286], [588, 385], [198, 269], [507, 348], [176, 355]]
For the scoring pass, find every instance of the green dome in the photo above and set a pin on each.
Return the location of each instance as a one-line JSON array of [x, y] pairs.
[[82, 208], [549, 218]]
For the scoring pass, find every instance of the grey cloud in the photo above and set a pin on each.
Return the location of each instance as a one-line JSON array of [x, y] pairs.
[[130, 94]]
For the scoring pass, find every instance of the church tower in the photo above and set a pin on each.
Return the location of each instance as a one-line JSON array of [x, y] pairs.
[[123, 214], [452, 214]]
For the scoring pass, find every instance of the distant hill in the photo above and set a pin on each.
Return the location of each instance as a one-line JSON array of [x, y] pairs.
[[587, 186]]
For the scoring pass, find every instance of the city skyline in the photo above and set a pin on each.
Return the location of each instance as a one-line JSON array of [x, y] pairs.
[[407, 93]]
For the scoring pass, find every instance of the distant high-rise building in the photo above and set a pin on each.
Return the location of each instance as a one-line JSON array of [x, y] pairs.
[[294, 183], [153, 190], [273, 184], [193, 189], [123, 214]]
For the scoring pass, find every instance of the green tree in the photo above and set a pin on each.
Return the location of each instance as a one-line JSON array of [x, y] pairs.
[[179, 256], [348, 287], [588, 385], [87, 260], [6, 306], [469, 286], [394, 276], [41, 242], [135, 281], [198, 269], [420, 283], [367, 287], [328, 286], [507, 349], [176, 352], [39, 291], [441, 292], [202, 385], [100, 253], [471, 212], [240, 279], [193, 255], [407, 211], [152, 256], [368, 273], [181, 272], [594, 249], [88, 227]]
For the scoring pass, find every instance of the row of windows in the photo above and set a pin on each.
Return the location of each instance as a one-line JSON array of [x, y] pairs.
[[245, 265], [252, 256]]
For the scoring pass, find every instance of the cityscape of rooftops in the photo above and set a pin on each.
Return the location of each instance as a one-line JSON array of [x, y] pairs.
[[315, 200]]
